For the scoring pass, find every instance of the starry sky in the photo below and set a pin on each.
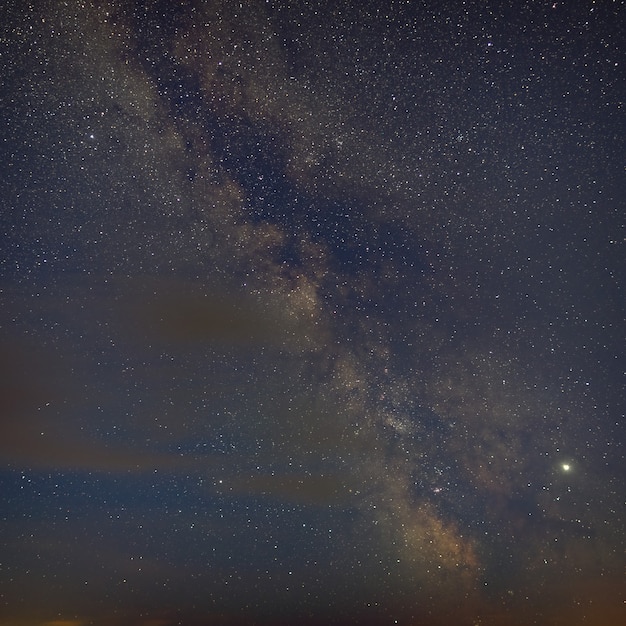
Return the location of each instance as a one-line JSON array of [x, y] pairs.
[[312, 312]]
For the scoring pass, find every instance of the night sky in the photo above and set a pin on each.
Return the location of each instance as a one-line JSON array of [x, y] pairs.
[[312, 312]]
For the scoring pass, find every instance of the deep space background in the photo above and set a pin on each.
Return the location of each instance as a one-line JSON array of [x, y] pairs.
[[311, 312]]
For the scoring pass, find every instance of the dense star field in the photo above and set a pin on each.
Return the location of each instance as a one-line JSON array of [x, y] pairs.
[[312, 312]]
